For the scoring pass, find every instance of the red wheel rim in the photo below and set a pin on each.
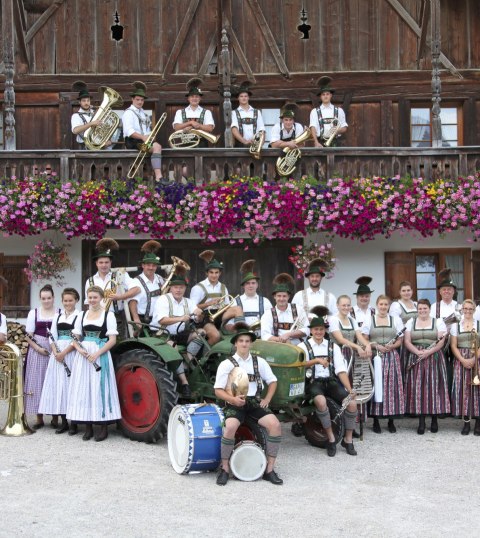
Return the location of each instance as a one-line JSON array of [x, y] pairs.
[[139, 397], [244, 433]]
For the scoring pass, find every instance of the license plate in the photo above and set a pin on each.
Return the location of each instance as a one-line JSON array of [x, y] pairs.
[[297, 389]]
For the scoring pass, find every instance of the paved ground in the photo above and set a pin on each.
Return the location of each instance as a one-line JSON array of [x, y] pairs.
[[398, 485]]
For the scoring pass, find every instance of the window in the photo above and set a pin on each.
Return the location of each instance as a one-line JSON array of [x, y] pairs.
[[270, 116], [421, 127], [15, 302]]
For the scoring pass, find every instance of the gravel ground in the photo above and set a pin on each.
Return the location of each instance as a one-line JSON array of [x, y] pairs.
[[398, 485]]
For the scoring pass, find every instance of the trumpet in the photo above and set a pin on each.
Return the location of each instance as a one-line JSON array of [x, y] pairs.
[[177, 262], [231, 301], [287, 164], [145, 147], [257, 144], [190, 139]]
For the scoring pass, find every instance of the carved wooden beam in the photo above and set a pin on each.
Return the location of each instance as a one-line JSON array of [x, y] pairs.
[[237, 48], [208, 56], [436, 82], [40, 22], [424, 19], [405, 15], [9, 63], [20, 28], [225, 72]]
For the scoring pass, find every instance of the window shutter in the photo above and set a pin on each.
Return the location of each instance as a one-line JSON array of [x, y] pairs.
[[16, 295]]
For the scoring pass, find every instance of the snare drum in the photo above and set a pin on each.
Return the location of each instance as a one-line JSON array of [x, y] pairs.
[[194, 437], [248, 461]]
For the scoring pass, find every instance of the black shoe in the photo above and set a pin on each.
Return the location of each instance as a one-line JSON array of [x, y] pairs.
[[476, 431], [54, 424], [38, 426], [376, 426], [466, 428], [73, 429], [297, 429], [186, 391], [273, 477], [63, 428], [88, 432], [434, 425], [102, 434], [421, 426], [349, 448], [391, 427], [355, 434], [331, 448], [222, 477]]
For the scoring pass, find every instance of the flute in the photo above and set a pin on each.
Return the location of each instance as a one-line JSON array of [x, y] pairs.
[[420, 359], [83, 348], [57, 349]]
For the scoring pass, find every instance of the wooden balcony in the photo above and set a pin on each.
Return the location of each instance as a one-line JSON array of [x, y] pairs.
[[214, 164]]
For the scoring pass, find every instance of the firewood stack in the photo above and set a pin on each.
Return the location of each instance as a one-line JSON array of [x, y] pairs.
[[16, 335]]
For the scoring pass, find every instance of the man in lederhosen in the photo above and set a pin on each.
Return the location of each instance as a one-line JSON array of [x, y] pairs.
[[108, 280], [314, 295], [328, 367], [147, 287], [252, 304], [284, 133], [82, 119], [137, 126], [246, 120], [321, 118], [277, 323], [238, 407], [363, 309]]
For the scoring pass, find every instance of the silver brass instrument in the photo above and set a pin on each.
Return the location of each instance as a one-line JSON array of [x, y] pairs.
[[83, 348], [11, 390], [346, 402], [190, 139], [237, 383], [287, 164], [476, 378], [145, 147], [257, 144], [332, 133], [96, 137], [57, 349], [177, 262]]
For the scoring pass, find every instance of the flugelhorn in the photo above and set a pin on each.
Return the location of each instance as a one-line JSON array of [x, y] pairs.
[[287, 164], [332, 133], [231, 301], [257, 144], [177, 262], [95, 138], [145, 147], [190, 139]]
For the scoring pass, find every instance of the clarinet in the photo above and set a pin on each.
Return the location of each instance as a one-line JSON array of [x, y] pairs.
[[83, 348], [348, 399], [57, 349], [420, 359]]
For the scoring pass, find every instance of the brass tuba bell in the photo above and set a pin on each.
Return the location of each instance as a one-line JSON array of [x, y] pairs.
[[287, 164], [96, 137], [257, 144]]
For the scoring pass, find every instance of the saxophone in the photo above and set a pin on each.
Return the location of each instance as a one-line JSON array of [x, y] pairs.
[[287, 164], [96, 137], [257, 144]]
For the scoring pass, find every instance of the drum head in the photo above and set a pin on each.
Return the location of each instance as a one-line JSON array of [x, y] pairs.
[[314, 432], [180, 442], [248, 461]]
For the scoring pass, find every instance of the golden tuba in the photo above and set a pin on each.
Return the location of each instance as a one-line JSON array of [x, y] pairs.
[[257, 144], [177, 262], [287, 164], [190, 139], [145, 147], [96, 137], [11, 390]]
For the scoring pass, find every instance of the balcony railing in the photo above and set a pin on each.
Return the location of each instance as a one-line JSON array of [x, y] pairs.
[[214, 164]]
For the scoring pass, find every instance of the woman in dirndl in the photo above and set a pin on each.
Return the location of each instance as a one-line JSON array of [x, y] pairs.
[[55, 387], [465, 396], [426, 384], [93, 396], [38, 321], [382, 330], [405, 308]]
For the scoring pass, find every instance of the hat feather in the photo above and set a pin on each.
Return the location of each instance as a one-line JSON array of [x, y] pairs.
[[284, 278], [106, 244], [445, 274], [320, 263], [139, 85], [78, 86], [247, 266], [324, 81], [240, 326], [151, 246], [194, 83], [363, 280], [320, 311], [180, 270], [207, 255]]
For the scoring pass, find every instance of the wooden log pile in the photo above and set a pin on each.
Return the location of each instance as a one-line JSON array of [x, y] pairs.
[[16, 335]]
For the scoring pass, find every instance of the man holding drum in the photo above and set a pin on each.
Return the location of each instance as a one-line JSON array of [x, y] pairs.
[[239, 407]]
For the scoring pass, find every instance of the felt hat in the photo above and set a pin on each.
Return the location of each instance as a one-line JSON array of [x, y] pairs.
[[80, 87], [244, 88], [193, 87], [140, 89], [283, 282], [288, 110], [363, 285], [210, 262], [105, 247], [150, 249], [179, 278], [246, 270], [445, 279], [319, 316], [323, 84], [240, 329], [317, 266]]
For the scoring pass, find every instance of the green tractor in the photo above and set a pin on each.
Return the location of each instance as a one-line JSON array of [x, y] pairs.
[[145, 372]]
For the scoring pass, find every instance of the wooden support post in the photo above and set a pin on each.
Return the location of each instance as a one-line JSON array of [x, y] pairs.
[[436, 82], [9, 65], [225, 70]]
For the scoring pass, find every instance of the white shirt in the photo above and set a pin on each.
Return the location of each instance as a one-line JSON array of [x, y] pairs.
[[135, 120], [77, 121], [248, 132], [30, 324], [454, 328], [102, 282], [198, 293], [277, 129], [64, 319], [321, 350], [360, 315], [141, 296], [252, 304], [336, 324], [315, 298], [476, 315], [162, 310], [111, 323], [226, 366], [397, 308], [439, 324], [193, 114], [3, 325], [285, 316], [367, 325], [327, 112], [445, 309]]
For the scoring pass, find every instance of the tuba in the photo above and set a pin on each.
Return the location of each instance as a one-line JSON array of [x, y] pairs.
[[257, 144], [177, 262], [287, 164], [190, 139], [96, 137], [11, 390]]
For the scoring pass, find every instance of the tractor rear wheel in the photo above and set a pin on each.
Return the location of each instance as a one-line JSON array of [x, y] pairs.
[[147, 394]]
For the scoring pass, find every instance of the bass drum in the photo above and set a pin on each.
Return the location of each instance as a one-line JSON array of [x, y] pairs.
[[248, 461], [314, 432]]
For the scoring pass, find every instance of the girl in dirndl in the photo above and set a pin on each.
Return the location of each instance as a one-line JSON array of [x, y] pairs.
[[38, 321], [462, 343], [55, 387], [92, 396], [381, 328], [426, 384]]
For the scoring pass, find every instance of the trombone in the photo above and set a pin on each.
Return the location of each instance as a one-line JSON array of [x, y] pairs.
[[145, 147]]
